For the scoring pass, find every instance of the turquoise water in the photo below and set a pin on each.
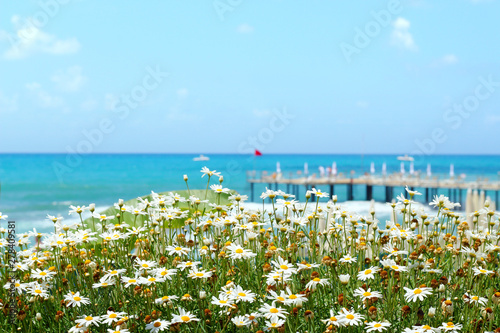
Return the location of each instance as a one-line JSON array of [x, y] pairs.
[[34, 185]]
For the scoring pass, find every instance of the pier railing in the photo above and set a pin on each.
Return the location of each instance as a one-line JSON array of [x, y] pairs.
[[429, 186]]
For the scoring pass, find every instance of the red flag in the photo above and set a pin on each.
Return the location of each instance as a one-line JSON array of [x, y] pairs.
[[257, 153]]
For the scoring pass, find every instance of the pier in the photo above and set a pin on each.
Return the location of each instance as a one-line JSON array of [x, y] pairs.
[[455, 188]]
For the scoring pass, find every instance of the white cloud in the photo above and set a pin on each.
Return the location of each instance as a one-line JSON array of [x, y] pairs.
[[89, 104], [362, 104], [28, 40], [261, 113], [110, 101], [245, 28], [70, 79], [492, 119], [182, 93], [176, 113], [446, 60], [449, 59], [401, 35], [43, 98], [8, 104]]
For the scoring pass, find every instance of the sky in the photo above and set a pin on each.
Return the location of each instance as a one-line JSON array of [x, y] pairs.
[[231, 76]]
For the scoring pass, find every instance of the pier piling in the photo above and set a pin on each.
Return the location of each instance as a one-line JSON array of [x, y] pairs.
[[429, 187]]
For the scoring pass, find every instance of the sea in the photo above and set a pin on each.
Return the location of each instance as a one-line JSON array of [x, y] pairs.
[[34, 185]]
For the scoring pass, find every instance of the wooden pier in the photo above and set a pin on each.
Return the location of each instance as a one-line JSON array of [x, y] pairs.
[[455, 188]]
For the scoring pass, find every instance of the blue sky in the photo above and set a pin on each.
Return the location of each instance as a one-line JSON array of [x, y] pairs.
[[225, 76]]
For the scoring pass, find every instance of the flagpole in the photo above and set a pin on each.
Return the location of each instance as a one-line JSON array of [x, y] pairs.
[[254, 171]]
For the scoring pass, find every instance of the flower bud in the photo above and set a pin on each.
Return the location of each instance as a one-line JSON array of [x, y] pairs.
[[185, 178], [308, 315], [372, 312], [344, 278]]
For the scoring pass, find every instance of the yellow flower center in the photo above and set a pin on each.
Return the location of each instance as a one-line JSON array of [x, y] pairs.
[[377, 325], [292, 297], [316, 279], [78, 299], [367, 293], [417, 291], [222, 301], [185, 318], [145, 265], [368, 271], [177, 248], [157, 324], [43, 273], [132, 281], [242, 294], [350, 317], [281, 299], [284, 267], [333, 319], [113, 315], [38, 291], [274, 310], [395, 267], [239, 251], [88, 318], [475, 298], [199, 274]]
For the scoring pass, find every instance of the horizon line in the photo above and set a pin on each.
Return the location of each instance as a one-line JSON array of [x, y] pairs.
[[247, 154]]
